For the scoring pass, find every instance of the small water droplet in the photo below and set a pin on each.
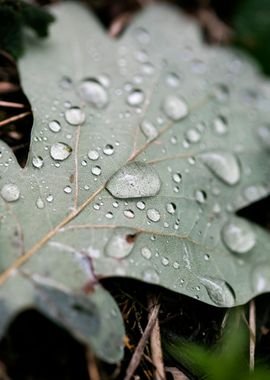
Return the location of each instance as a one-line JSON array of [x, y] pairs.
[[200, 196], [50, 198], [129, 214], [151, 275], [134, 180], [94, 93], [176, 265], [171, 207], [224, 165], [54, 126], [172, 80], [153, 214], [37, 162], [60, 151], [93, 155], [149, 130], [39, 203], [264, 135], [119, 246], [193, 135], [220, 125], [96, 170], [221, 92], [260, 278], [135, 98], [10, 192], [219, 291], [75, 116], [140, 205], [177, 177], [67, 189], [165, 261], [175, 108], [108, 150], [146, 253], [109, 215], [238, 236]]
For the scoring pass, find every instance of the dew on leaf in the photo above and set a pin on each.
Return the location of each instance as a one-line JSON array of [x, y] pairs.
[[165, 261], [219, 291], [260, 277], [193, 135], [146, 253], [93, 155], [135, 98], [200, 196], [220, 125], [50, 198], [224, 165], [140, 205], [238, 236], [177, 177], [119, 246], [96, 170], [94, 93], [109, 215], [37, 162], [172, 80], [171, 207], [149, 130], [10, 192], [39, 203], [221, 92], [176, 265], [67, 190], [134, 180], [264, 135], [129, 214], [175, 108], [54, 126], [153, 214], [151, 275], [75, 116], [60, 151], [108, 150]]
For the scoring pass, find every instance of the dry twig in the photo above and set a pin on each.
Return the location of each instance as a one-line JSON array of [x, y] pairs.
[[252, 334]]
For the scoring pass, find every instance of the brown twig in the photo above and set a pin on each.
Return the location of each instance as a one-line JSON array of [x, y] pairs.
[[11, 104], [155, 344], [119, 24], [252, 334], [135, 360], [92, 366], [14, 118]]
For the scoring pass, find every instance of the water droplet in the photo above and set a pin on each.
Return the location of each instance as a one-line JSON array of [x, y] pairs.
[[135, 98], [10, 192], [54, 126], [129, 214], [175, 108], [260, 277], [153, 214], [39, 203], [238, 236], [75, 116], [93, 92], [119, 246], [224, 165], [171, 207], [67, 189], [219, 291], [108, 150], [134, 180], [146, 253], [60, 151], [150, 275], [220, 125], [177, 177], [142, 35], [206, 257], [200, 196], [109, 215], [49, 198], [193, 135], [221, 92], [173, 80], [165, 261], [264, 135], [140, 205], [96, 170], [37, 162], [93, 155], [149, 130], [176, 265]]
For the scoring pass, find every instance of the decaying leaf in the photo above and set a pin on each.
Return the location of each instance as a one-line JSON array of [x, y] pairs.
[[143, 149]]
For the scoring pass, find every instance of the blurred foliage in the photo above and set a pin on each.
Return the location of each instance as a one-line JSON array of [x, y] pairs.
[[227, 360], [251, 22], [14, 15]]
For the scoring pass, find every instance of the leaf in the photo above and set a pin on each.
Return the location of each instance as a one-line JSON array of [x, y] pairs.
[[178, 128]]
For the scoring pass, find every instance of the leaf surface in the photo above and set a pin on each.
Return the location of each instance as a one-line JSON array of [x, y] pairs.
[[142, 151]]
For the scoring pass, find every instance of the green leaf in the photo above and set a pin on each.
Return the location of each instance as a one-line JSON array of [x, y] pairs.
[[142, 151]]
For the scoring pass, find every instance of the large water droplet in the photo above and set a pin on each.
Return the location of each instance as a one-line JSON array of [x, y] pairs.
[[54, 126], [219, 291], [153, 214], [260, 278], [238, 236], [75, 116], [134, 180], [149, 130], [96, 170], [92, 92], [60, 151], [224, 165], [93, 155], [108, 150], [120, 245], [10, 192], [175, 108], [135, 98], [37, 162]]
